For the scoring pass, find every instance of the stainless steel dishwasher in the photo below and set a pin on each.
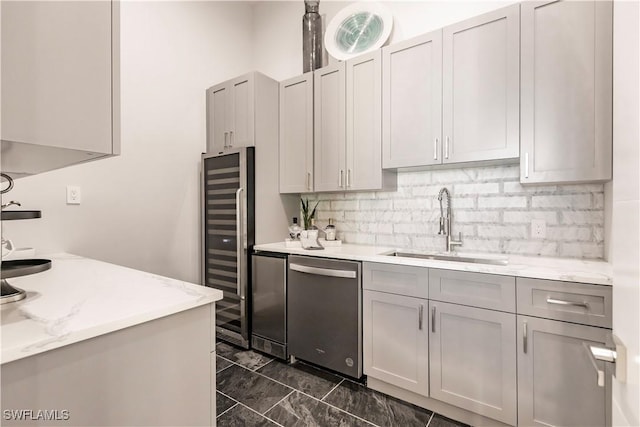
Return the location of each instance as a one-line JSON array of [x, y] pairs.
[[324, 313]]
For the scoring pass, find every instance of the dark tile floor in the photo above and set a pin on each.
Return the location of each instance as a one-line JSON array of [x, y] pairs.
[[256, 390]]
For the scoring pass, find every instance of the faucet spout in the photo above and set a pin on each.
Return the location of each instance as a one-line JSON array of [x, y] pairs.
[[445, 221]]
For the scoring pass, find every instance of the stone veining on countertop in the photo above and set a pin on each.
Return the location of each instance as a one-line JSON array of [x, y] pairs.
[[80, 298]]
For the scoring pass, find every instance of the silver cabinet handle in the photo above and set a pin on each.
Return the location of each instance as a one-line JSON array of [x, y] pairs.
[[239, 243], [348, 274], [420, 312], [617, 354], [526, 165], [524, 337], [309, 181], [225, 139], [340, 178], [446, 148], [435, 149], [584, 305], [348, 178], [433, 319], [230, 138]]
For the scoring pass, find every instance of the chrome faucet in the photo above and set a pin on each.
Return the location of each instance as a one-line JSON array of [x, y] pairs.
[[445, 221]]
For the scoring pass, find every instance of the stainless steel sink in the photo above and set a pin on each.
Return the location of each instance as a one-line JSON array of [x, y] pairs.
[[456, 258]]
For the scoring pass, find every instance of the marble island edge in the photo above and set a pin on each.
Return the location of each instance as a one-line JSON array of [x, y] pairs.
[[80, 298]]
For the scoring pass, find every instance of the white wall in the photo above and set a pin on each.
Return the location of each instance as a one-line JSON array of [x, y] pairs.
[[278, 27], [625, 245], [141, 209]]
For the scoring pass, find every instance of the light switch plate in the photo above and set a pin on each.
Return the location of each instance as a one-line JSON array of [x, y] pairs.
[[74, 195]]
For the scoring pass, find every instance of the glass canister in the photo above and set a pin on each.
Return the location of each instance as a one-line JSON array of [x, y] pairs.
[[330, 231]]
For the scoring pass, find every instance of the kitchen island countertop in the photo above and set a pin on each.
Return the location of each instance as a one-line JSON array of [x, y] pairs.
[[560, 269], [81, 298]]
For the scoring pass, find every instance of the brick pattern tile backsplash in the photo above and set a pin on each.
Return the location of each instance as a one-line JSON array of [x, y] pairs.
[[490, 207]]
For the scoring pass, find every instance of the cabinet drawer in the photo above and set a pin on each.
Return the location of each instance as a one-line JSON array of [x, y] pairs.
[[572, 302], [396, 279], [474, 289]]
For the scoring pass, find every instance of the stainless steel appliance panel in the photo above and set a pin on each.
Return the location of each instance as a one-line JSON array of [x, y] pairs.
[[324, 313], [227, 196], [269, 303]]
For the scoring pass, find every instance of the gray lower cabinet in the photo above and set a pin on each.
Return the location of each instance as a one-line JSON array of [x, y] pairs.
[[472, 359], [396, 341], [556, 380]]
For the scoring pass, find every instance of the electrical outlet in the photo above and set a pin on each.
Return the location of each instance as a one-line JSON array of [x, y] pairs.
[[538, 229], [74, 195]]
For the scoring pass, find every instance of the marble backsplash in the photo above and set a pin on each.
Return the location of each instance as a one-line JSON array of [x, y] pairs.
[[490, 207]]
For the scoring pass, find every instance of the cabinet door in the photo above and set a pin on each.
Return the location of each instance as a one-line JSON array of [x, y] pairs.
[[57, 75], [566, 111], [296, 134], [364, 122], [556, 380], [473, 360], [481, 87], [240, 120], [329, 128], [217, 106], [412, 102], [396, 341]]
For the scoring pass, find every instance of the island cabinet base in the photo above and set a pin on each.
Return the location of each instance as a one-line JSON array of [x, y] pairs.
[[434, 405], [161, 372]]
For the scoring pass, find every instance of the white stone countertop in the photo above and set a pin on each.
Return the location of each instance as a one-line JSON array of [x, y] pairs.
[[80, 298], [561, 269]]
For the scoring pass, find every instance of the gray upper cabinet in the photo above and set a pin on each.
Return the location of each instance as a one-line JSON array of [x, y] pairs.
[[296, 134], [566, 113], [412, 102], [556, 381], [347, 126], [364, 122], [329, 128], [472, 359], [231, 112], [481, 87], [60, 84]]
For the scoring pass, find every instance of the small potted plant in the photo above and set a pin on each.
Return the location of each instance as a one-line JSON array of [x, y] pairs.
[[307, 215]]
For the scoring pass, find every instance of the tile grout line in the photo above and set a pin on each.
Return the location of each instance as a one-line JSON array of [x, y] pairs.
[[430, 418], [225, 368], [261, 416], [242, 404], [262, 366], [315, 398], [331, 391], [342, 379], [228, 409], [278, 402], [228, 397]]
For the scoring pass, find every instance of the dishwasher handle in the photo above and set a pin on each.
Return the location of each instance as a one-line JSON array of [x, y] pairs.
[[323, 271]]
